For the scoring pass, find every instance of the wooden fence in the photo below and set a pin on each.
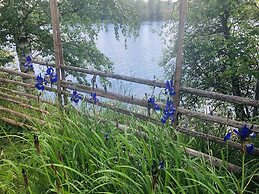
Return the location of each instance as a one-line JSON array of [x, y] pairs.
[[63, 86]]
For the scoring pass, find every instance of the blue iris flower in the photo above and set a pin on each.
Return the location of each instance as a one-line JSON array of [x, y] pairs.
[[169, 111], [28, 63], [228, 136], [51, 75], [28, 59], [243, 133], [40, 82], [151, 102], [169, 88], [75, 97], [106, 136], [161, 165], [93, 98]]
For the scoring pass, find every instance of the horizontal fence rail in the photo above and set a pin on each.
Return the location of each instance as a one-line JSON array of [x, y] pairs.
[[28, 96], [27, 86], [160, 84], [16, 123], [9, 99], [133, 101], [21, 115]]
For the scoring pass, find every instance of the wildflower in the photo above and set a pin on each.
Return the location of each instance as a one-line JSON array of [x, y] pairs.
[[161, 165], [169, 88], [106, 137], [244, 134], [169, 111], [93, 98], [151, 103], [228, 136], [28, 63], [51, 76], [40, 82], [75, 97]]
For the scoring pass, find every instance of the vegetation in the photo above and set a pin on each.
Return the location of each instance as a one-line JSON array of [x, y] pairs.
[[72, 153], [81, 150], [27, 26], [220, 51], [153, 10]]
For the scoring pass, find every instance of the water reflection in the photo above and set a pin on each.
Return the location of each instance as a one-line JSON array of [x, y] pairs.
[[140, 59]]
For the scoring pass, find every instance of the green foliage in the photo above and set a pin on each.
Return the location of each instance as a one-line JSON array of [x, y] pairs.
[[75, 157], [27, 25], [220, 48], [153, 10], [5, 57]]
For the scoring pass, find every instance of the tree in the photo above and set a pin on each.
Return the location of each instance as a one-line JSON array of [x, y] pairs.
[[158, 11], [151, 9], [221, 48], [27, 25]]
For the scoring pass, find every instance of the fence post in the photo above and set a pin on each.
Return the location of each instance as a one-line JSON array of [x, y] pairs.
[[179, 56], [59, 59]]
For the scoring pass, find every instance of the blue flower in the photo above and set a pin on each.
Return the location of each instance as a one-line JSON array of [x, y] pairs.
[[39, 82], [163, 120], [169, 111], [106, 137], [151, 103], [75, 97], [169, 88], [28, 63], [249, 148], [228, 136], [28, 59], [93, 98], [161, 165], [51, 75], [243, 133]]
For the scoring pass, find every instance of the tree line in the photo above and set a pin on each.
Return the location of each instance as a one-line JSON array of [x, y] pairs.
[[153, 10]]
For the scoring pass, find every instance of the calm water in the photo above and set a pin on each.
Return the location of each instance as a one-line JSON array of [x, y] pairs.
[[140, 59]]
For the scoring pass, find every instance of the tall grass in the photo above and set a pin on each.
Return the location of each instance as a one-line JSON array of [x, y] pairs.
[[80, 154]]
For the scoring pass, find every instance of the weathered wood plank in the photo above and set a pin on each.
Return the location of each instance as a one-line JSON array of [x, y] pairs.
[[9, 98], [216, 119], [223, 97], [16, 123], [57, 45], [22, 115], [179, 57], [29, 96], [212, 138], [105, 94], [160, 84], [215, 161]]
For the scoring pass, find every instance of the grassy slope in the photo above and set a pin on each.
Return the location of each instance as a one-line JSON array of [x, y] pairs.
[[75, 157]]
